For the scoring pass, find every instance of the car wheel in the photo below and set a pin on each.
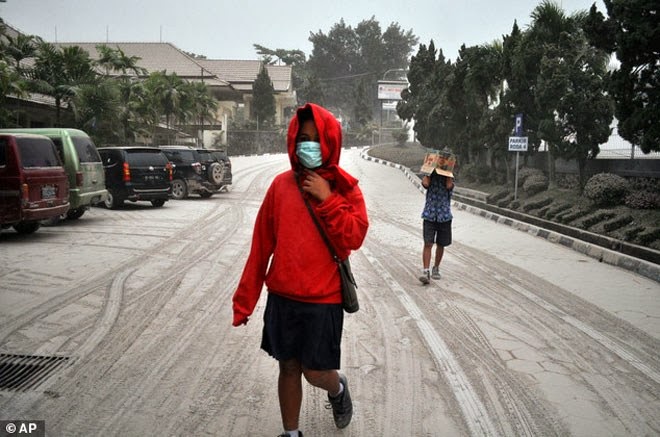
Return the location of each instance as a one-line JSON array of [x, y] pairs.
[[26, 227], [111, 202], [179, 189], [205, 194], [158, 202], [216, 173], [75, 214]]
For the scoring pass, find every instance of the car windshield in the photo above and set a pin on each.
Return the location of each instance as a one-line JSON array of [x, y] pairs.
[[142, 158], [37, 152], [86, 149]]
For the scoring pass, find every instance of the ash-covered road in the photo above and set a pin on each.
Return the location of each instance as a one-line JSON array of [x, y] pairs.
[[127, 315]]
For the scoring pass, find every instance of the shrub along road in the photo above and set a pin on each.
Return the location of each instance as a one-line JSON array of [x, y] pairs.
[[521, 336]]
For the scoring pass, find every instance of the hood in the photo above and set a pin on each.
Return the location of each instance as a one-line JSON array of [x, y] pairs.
[[330, 137]]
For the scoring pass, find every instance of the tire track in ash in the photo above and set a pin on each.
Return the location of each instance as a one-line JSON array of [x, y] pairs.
[[85, 286], [105, 321], [384, 355], [563, 321], [579, 346], [474, 412], [562, 300], [169, 350], [501, 391], [61, 301]]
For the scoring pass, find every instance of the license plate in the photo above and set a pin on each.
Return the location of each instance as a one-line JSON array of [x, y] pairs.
[[48, 191], [153, 178]]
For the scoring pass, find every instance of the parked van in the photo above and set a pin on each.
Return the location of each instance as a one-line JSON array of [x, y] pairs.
[[136, 173], [33, 183], [82, 164]]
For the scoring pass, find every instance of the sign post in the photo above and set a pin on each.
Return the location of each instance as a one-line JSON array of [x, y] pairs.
[[389, 91], [517, 143]]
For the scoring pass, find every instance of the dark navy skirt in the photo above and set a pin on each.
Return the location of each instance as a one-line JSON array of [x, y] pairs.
[[309, 332]]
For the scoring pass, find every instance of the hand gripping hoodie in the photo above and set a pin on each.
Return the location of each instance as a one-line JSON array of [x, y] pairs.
[[288, 254]]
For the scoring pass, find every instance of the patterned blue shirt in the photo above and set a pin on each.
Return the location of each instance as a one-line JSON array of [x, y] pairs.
[[438, 200]]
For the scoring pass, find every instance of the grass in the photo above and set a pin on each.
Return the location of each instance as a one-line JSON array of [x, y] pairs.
[[568, 206]]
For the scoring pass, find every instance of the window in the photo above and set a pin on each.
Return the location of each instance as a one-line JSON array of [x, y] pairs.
[[37, 152], [85, 149], [145, 158]]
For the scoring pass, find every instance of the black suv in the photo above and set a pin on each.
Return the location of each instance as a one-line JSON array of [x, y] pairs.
[[188, 178], [217, 167], [136, 173]]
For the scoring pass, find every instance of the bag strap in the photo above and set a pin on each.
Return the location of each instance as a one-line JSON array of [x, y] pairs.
[[316, 221]]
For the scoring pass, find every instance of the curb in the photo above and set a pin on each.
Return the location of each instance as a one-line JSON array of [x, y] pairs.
[[602, 254]]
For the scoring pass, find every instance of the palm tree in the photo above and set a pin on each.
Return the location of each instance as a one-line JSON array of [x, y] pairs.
[[115, 60], [59, 72], [21, 47], [198, 105]]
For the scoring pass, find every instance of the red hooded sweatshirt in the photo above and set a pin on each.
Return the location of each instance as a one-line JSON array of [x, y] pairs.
[[287, 252]]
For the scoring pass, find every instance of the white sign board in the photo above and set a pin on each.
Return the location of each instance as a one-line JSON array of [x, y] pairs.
[[390, 105], [517, 144], [391, 89]]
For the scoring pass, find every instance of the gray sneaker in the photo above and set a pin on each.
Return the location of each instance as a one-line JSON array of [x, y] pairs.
[[435, 273], [425, 277], [342, 406]]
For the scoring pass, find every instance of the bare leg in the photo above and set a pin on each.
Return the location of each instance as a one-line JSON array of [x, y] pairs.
[[289, 389], [328, 380], [426, 255], [439, 251]]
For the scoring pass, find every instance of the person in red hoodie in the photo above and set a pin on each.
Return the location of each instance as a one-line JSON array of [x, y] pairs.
[[303, 318]]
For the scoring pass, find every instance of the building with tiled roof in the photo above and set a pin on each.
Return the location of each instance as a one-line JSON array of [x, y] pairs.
[[241, 74], [230, 82]]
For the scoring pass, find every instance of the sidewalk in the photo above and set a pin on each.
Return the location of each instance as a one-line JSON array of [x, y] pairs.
[[575, 239]]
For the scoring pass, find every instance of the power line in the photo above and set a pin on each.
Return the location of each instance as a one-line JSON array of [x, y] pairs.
[[347, 77]]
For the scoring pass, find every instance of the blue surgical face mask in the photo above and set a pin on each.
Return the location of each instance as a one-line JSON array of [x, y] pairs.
[[309, 153]]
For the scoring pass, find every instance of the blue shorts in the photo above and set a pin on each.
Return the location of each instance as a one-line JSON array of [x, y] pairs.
[[437, 232], [309, 332]]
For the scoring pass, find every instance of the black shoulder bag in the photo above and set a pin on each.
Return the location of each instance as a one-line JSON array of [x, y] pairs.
[[348, 285]]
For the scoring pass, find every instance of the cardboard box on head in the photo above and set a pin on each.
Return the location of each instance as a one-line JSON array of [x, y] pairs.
[[442, 163]]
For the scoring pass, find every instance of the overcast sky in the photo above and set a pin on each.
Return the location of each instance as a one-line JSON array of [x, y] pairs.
[[221, 29]]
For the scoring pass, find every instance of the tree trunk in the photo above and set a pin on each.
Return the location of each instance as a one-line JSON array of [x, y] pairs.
[[582, 164], [551, 168], [58, 101]]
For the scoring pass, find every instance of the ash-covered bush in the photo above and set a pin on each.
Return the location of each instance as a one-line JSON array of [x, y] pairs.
[[567, 181], [527, 172], [535, 184], [648, 236], [498, 195], [557, 209], [643, 200], [540, 203], [592, 219], [645, 184], [468, 173], [606, 189], [572, 214], [484, 174], [617, 222]]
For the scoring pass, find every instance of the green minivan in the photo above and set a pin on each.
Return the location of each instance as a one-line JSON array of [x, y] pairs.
[[82, 164]]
